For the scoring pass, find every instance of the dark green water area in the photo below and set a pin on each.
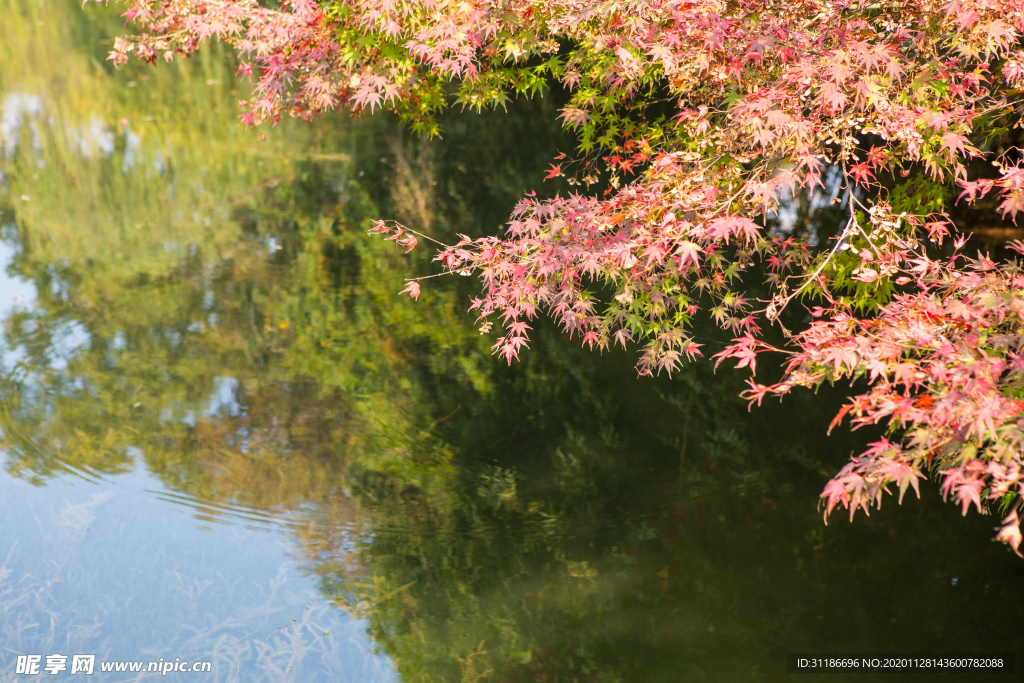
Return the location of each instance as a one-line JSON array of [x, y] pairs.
[[226, 437]]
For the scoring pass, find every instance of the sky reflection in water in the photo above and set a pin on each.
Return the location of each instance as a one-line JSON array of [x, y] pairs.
[[121, 567]]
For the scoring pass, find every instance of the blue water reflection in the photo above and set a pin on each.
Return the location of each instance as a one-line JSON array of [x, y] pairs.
[[121, 567]]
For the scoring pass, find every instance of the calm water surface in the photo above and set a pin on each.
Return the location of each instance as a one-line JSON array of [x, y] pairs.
[[226, 438]]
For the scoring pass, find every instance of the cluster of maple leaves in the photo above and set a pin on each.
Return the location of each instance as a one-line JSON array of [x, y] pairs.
[[765, 97]]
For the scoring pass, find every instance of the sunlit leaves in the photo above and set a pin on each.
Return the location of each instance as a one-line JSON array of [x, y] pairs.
[[697, 119]]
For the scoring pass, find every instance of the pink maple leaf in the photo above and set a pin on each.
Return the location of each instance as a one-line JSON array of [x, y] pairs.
[[956, 143], [834, 493], [412, 288], [1009, 532], [729, 226], [1013, 204], [862, 174], [574, 117], [688, 252]]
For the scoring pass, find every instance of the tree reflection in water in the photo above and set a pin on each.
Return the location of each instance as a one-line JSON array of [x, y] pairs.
[[209, 307]]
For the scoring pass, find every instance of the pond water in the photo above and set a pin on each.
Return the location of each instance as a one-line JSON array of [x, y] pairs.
[[226, 438]]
